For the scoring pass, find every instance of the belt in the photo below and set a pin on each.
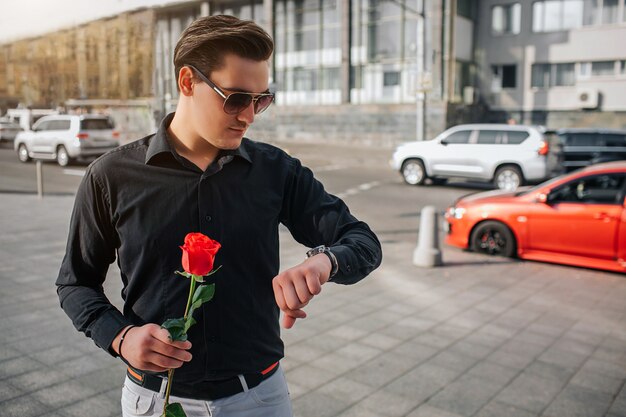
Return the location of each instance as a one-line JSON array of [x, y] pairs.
[[204, 390]]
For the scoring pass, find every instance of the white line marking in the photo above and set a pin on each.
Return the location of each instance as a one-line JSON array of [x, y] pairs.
[[76, 172]]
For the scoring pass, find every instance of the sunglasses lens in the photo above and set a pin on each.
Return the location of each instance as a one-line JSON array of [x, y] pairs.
[[237, 102], [263, 103]]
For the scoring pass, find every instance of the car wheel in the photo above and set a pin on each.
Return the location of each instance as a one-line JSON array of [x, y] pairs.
[[22, 153], [493, 238], [63, 158], [508, 178], [413, 172]]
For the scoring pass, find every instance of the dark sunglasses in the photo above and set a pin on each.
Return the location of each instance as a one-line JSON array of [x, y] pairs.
[[235, 103]]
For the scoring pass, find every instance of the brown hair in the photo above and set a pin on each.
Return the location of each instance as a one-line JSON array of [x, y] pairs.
[[208, 39]]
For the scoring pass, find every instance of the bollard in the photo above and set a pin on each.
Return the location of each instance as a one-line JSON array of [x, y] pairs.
[[428, 252], [39, 180]]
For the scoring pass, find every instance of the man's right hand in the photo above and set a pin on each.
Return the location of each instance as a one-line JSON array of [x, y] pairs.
[[149, 348]]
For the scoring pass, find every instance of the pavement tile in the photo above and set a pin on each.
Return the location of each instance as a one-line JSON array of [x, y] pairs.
[[493, 372], [465, 396], [550, 371], [422, 382], [318, 404], [388, 404], [619, 403], [597, 381], [576, 401], [379, 371], [530, 392], [64, 394], [346, 389], [358, 410], [8, 391], [474, 350], [416, 352], [427, 410], [434, 340], [8, 352], [605, 368], [99, 405], [22, 407], [497, 409], [310, 377], [17, 366], [37, 379], [453, 360], [303, 351], [380, 341], [57, 354], [563, 358]]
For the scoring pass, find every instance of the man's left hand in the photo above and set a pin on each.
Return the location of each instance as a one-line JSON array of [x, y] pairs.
[[295, 287]]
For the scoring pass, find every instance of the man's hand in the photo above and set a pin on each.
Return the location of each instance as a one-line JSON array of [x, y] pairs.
[[149, 348], [295, 287]]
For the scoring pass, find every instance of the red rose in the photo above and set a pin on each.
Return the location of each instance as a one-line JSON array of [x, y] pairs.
[[199, 253]]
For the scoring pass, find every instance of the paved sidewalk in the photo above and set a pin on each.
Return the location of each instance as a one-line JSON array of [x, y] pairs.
[[477, 337]]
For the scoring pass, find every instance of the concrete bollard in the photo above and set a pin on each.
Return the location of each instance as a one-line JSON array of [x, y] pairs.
[[39, 179], [428, 252]]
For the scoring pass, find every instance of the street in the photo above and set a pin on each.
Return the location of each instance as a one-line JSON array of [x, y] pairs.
[[478, 337]]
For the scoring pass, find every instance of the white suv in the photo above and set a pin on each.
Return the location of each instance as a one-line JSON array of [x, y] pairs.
[[508, 155], [65, 137]]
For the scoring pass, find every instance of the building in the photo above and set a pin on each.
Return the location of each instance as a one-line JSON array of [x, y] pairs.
[[559, 63], [367, 71]]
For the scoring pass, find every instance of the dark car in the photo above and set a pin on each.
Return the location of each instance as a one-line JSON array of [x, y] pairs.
[[578, 148]]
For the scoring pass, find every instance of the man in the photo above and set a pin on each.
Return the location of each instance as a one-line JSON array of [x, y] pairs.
[[198, 174]]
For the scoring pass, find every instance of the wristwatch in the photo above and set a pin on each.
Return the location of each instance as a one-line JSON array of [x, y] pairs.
[[326, 251]]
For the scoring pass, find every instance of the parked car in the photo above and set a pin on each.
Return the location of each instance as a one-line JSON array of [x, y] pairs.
[[508, 155], [575, 219], [578, 148], [8, 130], [67, 137]]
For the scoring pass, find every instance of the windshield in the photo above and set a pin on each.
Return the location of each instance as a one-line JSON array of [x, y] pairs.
[[538, 186]]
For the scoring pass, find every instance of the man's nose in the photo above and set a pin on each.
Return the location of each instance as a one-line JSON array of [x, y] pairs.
[[247, 115]]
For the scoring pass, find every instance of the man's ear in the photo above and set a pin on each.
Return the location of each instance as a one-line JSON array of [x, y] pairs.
[[185, 81]]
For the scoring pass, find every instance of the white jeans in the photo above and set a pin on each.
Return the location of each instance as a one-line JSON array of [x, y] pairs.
[[268, 399]]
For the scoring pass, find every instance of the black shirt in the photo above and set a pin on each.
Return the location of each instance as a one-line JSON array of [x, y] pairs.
[[137, 203]]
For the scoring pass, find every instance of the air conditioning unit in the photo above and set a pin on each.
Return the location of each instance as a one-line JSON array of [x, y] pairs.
[[587, 98]]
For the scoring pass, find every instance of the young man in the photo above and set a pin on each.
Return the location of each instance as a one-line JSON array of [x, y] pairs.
[[198, 174]]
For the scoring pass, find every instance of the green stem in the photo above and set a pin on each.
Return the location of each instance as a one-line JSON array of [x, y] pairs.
[[170, 373]]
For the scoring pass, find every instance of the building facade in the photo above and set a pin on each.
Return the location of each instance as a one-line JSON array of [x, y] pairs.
[[377, 71], [560, 63]]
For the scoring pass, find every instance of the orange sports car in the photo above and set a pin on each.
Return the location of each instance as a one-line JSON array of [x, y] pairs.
[[575, 219]]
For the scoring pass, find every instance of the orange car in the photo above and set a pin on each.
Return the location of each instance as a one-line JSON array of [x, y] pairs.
[[575, 219]]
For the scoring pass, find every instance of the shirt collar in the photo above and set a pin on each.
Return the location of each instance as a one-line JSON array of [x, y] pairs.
[[161, 143]]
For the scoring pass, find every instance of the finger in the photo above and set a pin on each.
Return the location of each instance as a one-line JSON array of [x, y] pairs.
[[288, 322], [168, 350], [161, 361], [313, 283], [164, 336], [291, 297], [302, 289]]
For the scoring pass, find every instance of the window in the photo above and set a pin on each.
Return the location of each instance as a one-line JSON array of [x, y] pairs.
[[554, 15], [615, 140], [515, 138], [391, 78], [599, 189], [540, 76], [465, 8], [552, 75], [602, 68], [601, 12], [622, 67], [95, 124], [565, 75], [461, 136], [506, 19], [487, 137], [609, 11], [504, 76]]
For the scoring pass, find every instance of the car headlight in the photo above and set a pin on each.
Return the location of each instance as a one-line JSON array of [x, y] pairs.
[[456, 212]]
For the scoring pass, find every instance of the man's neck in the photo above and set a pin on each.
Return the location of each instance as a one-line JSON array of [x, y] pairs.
[[189, 145]]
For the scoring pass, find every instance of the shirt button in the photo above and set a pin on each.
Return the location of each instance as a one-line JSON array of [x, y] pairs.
[[207, 218], [348, 268]]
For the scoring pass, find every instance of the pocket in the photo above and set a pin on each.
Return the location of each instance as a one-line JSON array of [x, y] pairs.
[[135, 403], [272, 391]]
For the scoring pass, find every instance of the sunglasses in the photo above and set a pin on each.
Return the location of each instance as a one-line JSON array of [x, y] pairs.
[[235, 103]]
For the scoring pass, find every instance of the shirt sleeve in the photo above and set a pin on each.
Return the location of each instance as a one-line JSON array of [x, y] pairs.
[[315, 217], [91, 248]]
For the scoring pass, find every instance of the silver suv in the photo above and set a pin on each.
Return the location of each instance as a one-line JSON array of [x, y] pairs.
[[66, 137], [508, 155]]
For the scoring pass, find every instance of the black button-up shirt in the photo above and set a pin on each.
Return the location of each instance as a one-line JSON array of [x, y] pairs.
[[137, 203]]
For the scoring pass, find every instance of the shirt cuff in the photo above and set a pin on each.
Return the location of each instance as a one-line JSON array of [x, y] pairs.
[[107, 328]]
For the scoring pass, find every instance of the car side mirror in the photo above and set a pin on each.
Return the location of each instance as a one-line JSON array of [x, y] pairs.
[[443, 142], [542, 198]]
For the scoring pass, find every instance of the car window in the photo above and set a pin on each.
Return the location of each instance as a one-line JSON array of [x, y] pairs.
[[45, 125], [486, 137], [59, 125], [96, 124], [597, 189], [583, 139], [615, 140], [515, 138], [462, 136]]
